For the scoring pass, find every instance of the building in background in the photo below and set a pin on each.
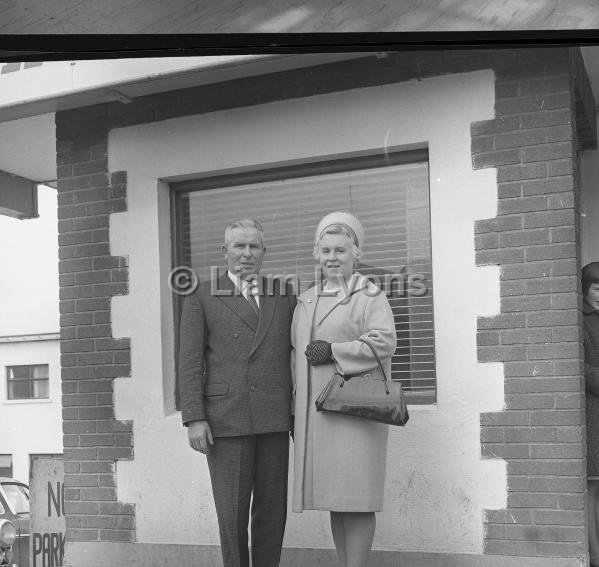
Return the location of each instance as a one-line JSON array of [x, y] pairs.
[[30, 390], [470, 167]]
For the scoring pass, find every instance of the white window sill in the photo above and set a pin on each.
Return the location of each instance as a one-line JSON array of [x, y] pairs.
[[27, 401]]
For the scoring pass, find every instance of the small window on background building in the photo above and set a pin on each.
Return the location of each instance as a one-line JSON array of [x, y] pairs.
[[27, 382], [388, 192], [6, 465]]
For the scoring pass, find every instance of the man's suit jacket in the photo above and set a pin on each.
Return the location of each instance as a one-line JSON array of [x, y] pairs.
[[234, 369]]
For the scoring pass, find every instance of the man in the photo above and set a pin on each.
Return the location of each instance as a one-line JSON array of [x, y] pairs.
[[235, 385]]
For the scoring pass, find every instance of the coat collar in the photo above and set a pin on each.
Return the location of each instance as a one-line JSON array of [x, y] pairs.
[[310, 297]]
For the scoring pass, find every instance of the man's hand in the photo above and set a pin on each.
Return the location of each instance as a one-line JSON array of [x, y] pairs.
[[200, 436]]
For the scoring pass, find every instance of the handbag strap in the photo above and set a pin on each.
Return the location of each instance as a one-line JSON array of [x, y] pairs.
[[375, 356]]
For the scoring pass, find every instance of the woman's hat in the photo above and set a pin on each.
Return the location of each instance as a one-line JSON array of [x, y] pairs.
[[340, 217]]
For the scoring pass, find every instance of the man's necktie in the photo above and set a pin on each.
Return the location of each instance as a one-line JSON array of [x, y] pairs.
[[250, 297]]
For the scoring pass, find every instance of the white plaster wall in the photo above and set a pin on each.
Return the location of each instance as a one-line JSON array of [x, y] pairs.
[[29, 305], [29, 260], [437, 484], [30, 426]]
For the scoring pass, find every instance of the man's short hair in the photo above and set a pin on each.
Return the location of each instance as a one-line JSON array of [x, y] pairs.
[[244, 223]]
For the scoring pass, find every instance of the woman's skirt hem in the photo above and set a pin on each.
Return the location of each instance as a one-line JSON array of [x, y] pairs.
[[342, 507]]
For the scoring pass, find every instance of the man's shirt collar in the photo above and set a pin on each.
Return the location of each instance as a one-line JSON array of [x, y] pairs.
[[239, 282]]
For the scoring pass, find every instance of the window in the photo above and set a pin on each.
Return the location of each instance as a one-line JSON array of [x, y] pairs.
[[389, 193], [27, 382], [6, 465]]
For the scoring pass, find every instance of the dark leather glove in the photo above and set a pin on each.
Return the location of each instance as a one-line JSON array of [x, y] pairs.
[[319, 352]]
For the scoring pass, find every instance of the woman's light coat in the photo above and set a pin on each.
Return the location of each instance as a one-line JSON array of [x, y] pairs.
[[349, 454]]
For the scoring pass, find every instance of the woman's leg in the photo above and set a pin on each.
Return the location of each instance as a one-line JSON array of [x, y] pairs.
[[338, 530], [359, 533], [593, 520]]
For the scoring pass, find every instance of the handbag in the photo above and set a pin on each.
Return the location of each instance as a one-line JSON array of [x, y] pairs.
[[365, 396]]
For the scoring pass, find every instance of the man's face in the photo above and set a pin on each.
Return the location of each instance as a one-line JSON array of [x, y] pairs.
[[245, 252]]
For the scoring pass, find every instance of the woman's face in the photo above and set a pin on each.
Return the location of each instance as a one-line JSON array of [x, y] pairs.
[[592, 296], [335, 254]]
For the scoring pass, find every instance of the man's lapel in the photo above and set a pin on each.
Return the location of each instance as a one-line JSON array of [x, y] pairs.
[[268, 304], [237, 303]]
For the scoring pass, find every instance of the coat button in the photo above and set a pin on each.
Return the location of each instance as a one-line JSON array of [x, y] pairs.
[[235, 335]]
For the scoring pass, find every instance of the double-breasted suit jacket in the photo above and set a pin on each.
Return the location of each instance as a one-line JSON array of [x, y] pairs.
[[234, 367]]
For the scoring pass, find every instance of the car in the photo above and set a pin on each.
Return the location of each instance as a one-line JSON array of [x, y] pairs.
[[14, 522], [7, 538]]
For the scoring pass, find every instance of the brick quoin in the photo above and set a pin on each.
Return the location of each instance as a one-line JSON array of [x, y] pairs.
[[530, 142], [535, 239], [91, 357]]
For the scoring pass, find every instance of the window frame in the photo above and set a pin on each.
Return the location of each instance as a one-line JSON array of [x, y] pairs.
[[262, 174], [30, 380], [10, 467]]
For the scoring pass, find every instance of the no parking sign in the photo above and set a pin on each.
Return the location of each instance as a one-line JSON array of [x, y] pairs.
[[47, 512]]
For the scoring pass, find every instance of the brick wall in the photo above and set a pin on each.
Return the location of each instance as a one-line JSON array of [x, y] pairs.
[[533, 239], [90, 357]]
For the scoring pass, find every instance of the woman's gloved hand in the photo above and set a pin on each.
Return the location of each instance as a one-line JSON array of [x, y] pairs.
[[319, 352]]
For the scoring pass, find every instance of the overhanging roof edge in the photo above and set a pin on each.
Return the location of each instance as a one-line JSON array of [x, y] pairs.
[[218, 71]]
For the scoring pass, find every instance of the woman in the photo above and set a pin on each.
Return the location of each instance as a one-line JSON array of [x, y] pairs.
[[339, 461], [590, 293]]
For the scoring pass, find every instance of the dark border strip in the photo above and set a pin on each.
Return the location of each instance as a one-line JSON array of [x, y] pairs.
[[38, 47]]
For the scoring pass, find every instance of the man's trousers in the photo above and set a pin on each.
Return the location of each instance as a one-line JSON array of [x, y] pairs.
[[250, 467]]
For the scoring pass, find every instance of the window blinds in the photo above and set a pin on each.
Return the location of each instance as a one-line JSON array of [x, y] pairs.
[[392, 202]]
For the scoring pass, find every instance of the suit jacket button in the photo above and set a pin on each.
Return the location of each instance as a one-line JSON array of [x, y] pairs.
[[235, 335]]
